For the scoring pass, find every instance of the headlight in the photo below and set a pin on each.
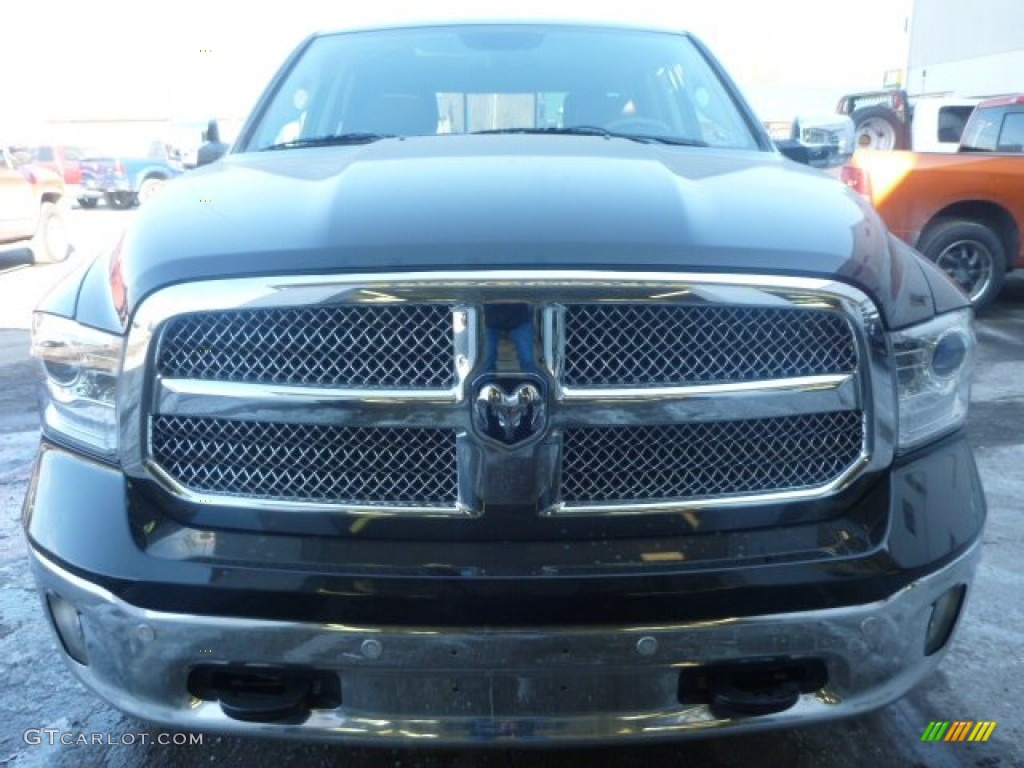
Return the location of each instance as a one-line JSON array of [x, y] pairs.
[[933, 371], [78, 396]]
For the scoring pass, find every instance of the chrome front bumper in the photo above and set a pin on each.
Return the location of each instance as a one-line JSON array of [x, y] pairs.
[[480, 685]]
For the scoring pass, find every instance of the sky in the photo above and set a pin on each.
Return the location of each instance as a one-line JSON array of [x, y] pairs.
[[188, 60]]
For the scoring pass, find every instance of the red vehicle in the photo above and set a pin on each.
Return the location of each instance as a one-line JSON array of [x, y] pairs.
[[62, 160]]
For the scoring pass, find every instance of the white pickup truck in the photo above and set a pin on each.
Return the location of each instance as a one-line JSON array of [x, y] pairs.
[[888, 120]]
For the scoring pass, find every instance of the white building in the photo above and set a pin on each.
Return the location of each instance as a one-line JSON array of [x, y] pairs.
[[963, 48]]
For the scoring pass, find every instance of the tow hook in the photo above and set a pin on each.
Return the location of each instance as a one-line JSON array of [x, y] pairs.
[[751, 688], [266, 694]]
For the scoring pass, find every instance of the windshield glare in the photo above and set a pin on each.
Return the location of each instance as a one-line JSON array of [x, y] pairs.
[[467, 79]]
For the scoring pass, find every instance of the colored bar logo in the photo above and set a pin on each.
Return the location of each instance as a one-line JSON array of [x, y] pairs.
[[958, 730]]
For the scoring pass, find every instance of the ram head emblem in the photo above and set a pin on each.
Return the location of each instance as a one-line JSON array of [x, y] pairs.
[[510, 417]]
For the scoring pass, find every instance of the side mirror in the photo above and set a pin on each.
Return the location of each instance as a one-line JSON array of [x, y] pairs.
[[823, 142], [213, 148], [212, 132], [795, 150]]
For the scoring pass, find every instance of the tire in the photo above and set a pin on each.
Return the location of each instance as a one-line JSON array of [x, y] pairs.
[[51, 243], [150, 187], [88, 202], [971, 254], [120, 201], [879, 128]]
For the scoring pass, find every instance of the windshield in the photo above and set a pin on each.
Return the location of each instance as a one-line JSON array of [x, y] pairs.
[[364, 86]]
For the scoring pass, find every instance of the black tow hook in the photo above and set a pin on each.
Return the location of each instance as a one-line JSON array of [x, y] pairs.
[[751, 688], [266, 694], [259, 701], [729, 701]]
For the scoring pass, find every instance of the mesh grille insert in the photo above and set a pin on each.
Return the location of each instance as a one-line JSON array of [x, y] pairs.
[[404, 346], [313, 463], [752, 456], [651, 345]]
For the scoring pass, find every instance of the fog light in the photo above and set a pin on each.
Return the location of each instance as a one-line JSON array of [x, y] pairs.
[[945, 612], [68, 623]]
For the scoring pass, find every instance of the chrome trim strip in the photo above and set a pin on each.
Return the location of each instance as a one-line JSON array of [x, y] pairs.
[[554, 342], [173, 394], [358, 510], [692, 504], [466, 322], [307, 405], [801, 384], [455, 287], [710, 404], [322, 405]]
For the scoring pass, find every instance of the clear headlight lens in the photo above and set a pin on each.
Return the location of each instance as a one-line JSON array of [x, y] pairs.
[[78, 399], [934, 361]]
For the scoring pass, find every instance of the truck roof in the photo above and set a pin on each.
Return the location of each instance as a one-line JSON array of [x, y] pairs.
[[509, 21], [1002, 101]]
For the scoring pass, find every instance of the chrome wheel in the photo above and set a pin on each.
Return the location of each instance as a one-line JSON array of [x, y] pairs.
[[970, 264], [876, 133]]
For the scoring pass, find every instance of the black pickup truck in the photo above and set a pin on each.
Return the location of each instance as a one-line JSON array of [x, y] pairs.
[[504, 383]]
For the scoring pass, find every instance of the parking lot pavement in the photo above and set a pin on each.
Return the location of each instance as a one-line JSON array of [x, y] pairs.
[[981, 678]]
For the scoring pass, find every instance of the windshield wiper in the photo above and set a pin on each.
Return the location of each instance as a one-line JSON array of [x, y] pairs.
[[677, 141], [332, 140], [593, 130], [575, 130]]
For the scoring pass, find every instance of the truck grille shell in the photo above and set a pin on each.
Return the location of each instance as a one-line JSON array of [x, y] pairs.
[[359, 394]]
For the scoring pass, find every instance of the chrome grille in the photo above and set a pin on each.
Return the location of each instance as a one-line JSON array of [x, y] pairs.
[[753, 456], [650, 345], [350, 404], [304, 462], [403, 346]]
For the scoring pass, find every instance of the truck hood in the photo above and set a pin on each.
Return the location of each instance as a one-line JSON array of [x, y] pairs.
[[516, 202]]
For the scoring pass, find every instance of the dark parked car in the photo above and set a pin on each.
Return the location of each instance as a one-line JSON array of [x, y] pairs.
[[124, 180], [477, 395]]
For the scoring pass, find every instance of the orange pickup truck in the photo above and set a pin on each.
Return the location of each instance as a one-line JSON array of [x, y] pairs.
[[963, 211]]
